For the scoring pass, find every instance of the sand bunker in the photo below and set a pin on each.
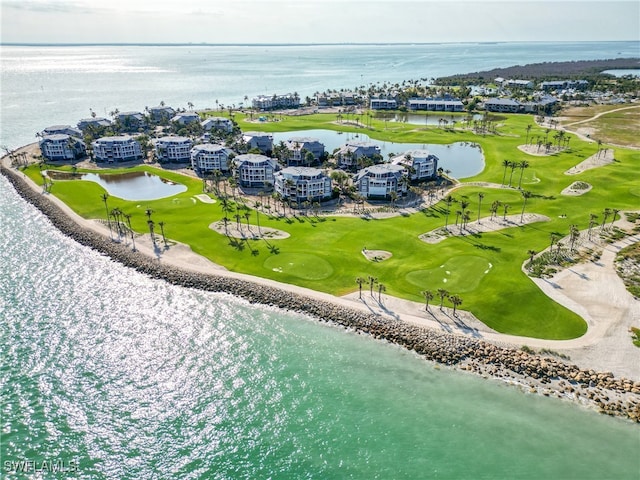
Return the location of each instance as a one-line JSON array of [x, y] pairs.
[[244, 231], [204, 198], [539, 151], [376, 255], [600, 159], [485, 225], [577, 188]]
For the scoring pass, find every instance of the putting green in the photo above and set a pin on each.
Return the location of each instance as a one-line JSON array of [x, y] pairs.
[[300, 265], [458, 274]]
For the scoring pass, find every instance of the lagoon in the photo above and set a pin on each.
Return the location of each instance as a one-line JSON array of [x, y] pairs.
[[463, 159]]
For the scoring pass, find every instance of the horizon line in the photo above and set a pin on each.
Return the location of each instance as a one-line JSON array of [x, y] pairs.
[[292, 44]]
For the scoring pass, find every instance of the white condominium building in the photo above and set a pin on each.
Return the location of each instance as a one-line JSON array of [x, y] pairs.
[[174, 149], [303, 183], [61, 146], [209, 157], [254, 170], [119, 148]]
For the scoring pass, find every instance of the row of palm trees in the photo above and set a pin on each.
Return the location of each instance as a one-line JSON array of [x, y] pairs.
[[464, 216], [372, 282], [116, 218], [574, 235], [428, 295], [443, 294], [523, 165]]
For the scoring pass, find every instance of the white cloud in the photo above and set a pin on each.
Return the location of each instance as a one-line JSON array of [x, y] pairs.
[[316, 21]]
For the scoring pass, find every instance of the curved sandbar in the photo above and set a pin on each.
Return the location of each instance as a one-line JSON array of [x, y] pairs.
[[613, 396]]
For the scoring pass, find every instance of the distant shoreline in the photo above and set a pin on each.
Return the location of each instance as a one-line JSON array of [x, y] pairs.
[[323, 44]]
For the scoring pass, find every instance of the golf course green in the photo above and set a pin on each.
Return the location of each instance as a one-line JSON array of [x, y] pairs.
[[325, 252]]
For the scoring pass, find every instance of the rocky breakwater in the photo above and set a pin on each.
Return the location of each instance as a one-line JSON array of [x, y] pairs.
[[548, 376]]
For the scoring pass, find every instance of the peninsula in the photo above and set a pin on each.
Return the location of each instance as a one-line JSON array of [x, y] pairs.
[[463, 273]]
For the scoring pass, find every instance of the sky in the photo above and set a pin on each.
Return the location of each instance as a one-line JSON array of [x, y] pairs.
[[316, 21]]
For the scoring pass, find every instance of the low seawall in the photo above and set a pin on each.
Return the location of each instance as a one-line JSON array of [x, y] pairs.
[[614, 396]]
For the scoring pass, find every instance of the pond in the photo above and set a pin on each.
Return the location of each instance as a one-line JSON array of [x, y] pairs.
[[463, 159], [128, 186]]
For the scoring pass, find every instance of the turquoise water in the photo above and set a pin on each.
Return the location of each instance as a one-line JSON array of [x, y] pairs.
[[133, 378], [141, 379]]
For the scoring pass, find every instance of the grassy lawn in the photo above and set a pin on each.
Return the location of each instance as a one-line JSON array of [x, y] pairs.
[[325, 253], [618, 127]]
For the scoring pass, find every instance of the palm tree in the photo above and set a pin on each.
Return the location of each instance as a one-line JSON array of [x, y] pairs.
[[506, 164], [457, 301], [442, 293], [381, 288], [247, 216], [531, 253], [448, 200], [528, 130], [592, 223], [153, 238], [115, 213], [393, 195], [494, 208], [372, 282], [574, 235], [513, 166], [523, 164], [505, 207], [614, 212], [458, 214], [554, 237], [480, 197], [225, 220], [606, 212], [360, 281], [257, 206], [133, 240], [428, 296], [148, 213], [105, 196], [164, 239], [525, 195], [465, 218]]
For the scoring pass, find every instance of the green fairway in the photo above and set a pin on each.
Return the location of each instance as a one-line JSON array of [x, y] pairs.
[[325, 253], [457, 275], [299, 265]]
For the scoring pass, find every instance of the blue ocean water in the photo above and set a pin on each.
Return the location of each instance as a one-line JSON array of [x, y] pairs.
[[129, 377]]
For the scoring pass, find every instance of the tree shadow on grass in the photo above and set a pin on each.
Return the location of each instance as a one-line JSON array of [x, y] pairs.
[[481, 246], [272, 248], [237, 244]]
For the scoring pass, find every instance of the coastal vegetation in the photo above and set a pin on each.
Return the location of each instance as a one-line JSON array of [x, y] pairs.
[[323, 252]]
